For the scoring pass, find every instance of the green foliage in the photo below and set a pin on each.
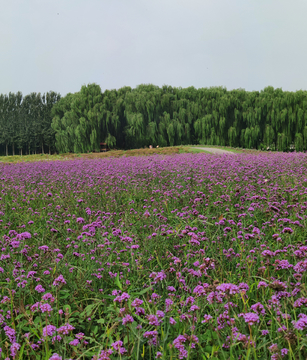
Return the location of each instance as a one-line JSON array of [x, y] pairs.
[[25, 122], [148, 115]]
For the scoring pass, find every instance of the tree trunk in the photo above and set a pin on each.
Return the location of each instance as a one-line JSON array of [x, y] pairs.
[[42, 148], [13, 149], [21, 152], [49, 151], [35, 151], [6, 150]]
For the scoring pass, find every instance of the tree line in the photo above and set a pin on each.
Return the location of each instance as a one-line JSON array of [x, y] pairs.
[[25, 123], [150, 115], [133, 118]]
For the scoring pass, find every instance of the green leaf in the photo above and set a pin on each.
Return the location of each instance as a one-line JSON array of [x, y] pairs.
[[89, 309], [64, 294], [21, 350], [143, 291], [214, 335], [67, 306], [34, 331], [117, 282]]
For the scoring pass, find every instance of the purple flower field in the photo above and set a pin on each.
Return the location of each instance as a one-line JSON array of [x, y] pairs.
[[190, 256]]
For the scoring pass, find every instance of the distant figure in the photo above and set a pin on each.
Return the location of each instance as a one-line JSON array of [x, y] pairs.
[[157, 146], [150, 146]]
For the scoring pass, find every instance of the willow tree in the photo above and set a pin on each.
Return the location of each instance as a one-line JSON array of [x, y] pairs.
[[268, 137], [87, 107], [64, 123], [232, 136], [173, 116], [281, 142], [298, 142], [305, 138]]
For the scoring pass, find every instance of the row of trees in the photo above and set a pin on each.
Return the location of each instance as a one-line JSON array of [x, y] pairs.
[[167, 116], [134, 118], [25, 123]]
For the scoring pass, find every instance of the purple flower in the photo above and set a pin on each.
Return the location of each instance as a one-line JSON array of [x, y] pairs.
[[45, 308], [172, 321], [250, 318], [136, 302], [194, 308], [140, 311], [287, 230], [262, 284], [14, 348], [273, 348], [284, 352], [74, 342], [127, 319], [179, 345], [117, 345], [207, 318], [228, 288], [258, 308], [171, 289], [105, 354], [15, 244], [10, 333], [123, 297], [301, 323], [48, 296], [153, 320], [199, 290], [146, 213], [39, 289], [56, 338], [151, 336], [160, 314], [65, 329], [49, 330], [160, 276], [55, 356], [60, 279], [23, 236]]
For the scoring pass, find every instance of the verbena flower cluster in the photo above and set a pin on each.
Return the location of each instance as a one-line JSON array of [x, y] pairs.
[[183, 257]]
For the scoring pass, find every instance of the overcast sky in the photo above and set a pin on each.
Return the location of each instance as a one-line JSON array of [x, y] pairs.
[[61, 45]]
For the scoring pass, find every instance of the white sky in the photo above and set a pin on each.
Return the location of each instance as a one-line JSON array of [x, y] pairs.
[[61, 45]]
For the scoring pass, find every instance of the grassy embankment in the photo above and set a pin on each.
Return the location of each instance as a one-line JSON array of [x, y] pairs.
[[116, 153]]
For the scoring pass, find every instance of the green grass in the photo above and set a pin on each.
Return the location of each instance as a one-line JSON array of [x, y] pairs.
[[227, 148], [118, 153], [197, 151]]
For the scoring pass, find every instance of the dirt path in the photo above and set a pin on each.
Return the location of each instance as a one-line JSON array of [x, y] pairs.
[[216, 151]]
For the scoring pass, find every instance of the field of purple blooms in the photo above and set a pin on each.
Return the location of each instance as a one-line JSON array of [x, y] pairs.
[[190, 256]]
